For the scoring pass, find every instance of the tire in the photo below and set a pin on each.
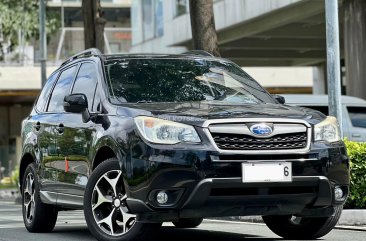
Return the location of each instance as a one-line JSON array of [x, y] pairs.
[[38, 217], [188, 222], [305, 228], [100, 205]]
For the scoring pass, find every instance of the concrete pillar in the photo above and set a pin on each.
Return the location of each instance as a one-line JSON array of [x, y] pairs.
[[355, 47], [319, 80]]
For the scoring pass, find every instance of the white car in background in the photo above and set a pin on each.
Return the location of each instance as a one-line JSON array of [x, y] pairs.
[[353, 109]]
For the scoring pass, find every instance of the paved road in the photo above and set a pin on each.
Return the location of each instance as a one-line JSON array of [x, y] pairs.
[[71, 226]]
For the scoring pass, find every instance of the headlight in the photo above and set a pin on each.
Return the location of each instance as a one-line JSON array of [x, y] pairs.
[[165, 132], [327, 130]]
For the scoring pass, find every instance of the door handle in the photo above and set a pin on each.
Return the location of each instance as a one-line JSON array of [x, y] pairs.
[[60, 129], [356, 135], [37, 126]]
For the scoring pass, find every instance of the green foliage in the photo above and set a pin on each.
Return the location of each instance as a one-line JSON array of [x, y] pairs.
[[15, 176], [357, 154], [23, 15]]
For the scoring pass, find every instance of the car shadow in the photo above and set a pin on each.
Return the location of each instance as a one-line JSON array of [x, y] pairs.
[[171, 233], [168, 234], [77, 233]]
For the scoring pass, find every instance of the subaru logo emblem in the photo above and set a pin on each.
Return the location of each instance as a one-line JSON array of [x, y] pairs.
[[261, 129]]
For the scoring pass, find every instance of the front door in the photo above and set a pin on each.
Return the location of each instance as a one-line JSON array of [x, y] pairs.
[[55, 160], [75, 137]]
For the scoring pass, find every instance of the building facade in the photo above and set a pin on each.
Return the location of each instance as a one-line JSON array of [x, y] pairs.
[[268, 33], [20, 79], [70, 38]]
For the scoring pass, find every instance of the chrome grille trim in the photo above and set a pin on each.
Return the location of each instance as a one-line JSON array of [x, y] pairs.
[[243, 129], [232, 124], [267, 160]]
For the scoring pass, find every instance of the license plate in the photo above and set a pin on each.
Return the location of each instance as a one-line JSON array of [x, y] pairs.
[[267, 172]]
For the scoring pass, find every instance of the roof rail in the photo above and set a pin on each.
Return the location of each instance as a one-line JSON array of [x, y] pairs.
[[199, 52], [87, 52]]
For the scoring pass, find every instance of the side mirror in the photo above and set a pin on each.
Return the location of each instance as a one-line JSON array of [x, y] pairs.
[[280, 99], [75, 103]]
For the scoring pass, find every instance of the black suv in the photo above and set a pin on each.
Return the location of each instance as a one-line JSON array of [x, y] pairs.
[[138, 140]]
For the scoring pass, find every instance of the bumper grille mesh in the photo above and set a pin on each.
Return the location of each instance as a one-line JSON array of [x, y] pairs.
[[246, 142]]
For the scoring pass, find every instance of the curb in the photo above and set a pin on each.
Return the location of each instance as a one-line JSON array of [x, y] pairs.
[[351, 219], [350, 228]]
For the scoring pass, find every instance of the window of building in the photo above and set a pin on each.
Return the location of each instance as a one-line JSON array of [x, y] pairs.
[[180, 7], [148, 19], [42, 99], [86, 82], [358, 116], [153, 19], [159, 18], [61, 90]]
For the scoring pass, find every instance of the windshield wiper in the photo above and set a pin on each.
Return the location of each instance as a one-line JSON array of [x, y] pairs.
[[144, 101]]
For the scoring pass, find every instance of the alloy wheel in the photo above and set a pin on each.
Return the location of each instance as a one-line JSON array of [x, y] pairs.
[[28, 193], [109, 205]]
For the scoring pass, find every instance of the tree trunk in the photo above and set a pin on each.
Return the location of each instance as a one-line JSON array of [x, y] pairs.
[[354, 47], [93, 24], [203, 26], [89, 25], [99, 26]]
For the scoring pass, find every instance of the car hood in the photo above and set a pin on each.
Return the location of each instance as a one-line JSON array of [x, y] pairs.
[[198, 112]]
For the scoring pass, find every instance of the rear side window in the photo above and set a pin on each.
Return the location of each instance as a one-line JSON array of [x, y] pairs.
[[61, 89], [42, 99], [86, 82], [358, 116]]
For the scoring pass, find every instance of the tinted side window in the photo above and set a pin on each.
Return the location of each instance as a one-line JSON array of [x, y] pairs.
[[86, 82], [61, 90], [42, 99], [358, 116]]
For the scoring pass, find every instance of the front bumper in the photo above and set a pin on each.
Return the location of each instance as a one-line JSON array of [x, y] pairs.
[[304, 196], [208, 184]]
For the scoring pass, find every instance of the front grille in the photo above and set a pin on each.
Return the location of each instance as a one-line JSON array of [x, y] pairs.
[[226, 141]]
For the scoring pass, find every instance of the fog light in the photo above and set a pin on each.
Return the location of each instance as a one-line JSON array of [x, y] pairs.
[[162, 197], [338, 193]]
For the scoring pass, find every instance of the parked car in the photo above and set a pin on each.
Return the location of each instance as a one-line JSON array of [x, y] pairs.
[[144, 139], [353, 112]]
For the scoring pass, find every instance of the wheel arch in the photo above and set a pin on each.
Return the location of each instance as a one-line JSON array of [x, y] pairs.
[[26, 159], [103, 153]]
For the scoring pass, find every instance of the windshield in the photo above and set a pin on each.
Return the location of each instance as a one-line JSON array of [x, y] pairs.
[[181, 80]]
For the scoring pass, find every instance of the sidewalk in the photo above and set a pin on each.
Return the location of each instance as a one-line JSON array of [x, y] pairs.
[[8, 194]]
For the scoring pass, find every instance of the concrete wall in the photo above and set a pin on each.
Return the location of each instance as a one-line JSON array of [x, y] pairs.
[[22, 77], [282, 76]]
